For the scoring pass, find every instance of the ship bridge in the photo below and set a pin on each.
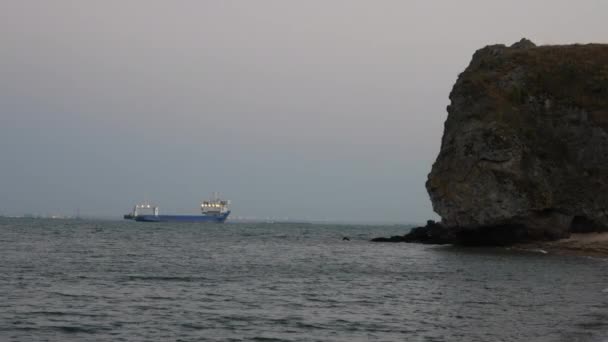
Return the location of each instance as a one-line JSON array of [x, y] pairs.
[[215, 206]]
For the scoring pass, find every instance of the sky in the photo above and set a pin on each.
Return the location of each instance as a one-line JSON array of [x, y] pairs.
[[308, 110]]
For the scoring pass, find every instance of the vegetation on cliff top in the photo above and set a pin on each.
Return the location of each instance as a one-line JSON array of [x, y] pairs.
[[569, 75]]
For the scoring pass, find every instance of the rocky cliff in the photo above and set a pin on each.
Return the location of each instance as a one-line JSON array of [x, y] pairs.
[[524, 154]]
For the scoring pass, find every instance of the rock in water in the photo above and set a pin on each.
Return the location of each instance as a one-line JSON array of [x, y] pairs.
[[524, 154]]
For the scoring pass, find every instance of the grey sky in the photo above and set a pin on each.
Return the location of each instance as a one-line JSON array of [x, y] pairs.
[[301, 109]]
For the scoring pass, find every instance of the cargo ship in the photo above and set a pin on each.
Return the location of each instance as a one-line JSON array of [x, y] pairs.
[[215, 210]]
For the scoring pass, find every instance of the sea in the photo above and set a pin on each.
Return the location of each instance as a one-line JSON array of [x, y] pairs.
[[94, 280]]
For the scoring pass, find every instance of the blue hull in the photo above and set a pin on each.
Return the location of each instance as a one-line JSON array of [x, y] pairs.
[[182, 218]]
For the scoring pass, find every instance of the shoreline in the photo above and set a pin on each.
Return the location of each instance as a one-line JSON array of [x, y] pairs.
[[579, 244]]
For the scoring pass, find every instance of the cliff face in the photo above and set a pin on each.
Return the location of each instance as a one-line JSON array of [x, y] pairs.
[[525, 146]]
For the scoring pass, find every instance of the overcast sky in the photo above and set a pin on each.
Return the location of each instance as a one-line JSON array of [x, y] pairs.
[[315, 109]]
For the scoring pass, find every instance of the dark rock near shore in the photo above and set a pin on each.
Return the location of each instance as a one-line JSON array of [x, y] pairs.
[[524, 154], [396, 238], [431, 233]]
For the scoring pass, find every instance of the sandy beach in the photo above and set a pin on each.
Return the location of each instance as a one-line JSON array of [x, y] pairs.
[[590, 244]]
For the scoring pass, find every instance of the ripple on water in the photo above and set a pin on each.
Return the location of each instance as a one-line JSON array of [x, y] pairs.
[[113, 281]]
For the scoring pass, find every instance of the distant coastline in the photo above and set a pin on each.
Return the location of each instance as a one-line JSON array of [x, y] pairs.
[[405, 225]]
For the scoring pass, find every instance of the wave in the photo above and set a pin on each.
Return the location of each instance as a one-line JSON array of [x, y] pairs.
[[166, 278], [78, 329], [64, 313]]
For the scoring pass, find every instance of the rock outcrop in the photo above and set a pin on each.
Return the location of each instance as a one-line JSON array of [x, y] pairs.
[[432, 233], [524, 154]]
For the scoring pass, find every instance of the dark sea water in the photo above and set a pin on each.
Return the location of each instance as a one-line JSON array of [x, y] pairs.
[[128, 281]]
